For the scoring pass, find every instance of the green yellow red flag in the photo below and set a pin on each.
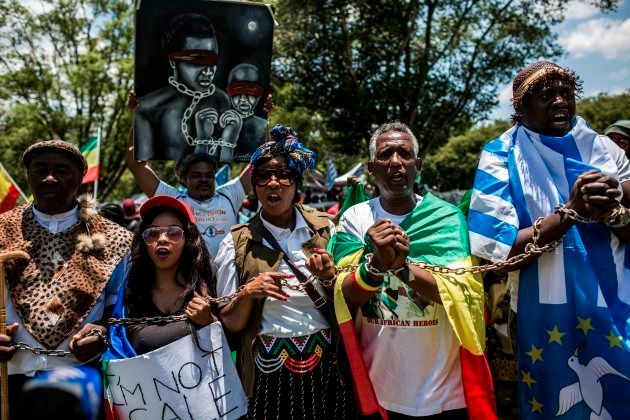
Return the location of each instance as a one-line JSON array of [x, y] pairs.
[[91, 152], [438, 235]]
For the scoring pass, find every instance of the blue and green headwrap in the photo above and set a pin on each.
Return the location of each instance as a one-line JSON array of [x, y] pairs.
[[284, 143]]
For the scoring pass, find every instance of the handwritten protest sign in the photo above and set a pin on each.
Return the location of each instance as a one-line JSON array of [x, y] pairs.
[[182, 380]]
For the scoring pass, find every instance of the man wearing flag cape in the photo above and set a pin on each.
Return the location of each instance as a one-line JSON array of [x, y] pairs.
[[414, 338], [552, 181]]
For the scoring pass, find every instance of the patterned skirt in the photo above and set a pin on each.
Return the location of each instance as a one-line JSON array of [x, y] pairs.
[[297, 377]]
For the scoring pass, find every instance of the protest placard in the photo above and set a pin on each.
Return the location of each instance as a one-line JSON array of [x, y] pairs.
[[202, 73], [187, 380]]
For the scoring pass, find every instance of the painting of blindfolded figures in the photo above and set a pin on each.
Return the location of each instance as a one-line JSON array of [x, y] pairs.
[[201, 78]]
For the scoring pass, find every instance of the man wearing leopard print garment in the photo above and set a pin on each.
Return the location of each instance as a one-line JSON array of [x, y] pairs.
[[56, 300]]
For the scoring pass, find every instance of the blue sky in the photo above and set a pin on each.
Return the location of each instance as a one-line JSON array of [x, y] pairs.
[[597, 47]]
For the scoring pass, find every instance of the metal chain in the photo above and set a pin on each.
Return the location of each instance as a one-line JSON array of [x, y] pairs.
[[219, 301], [59, 353], [196, 97], [572, 214], [530, 249]]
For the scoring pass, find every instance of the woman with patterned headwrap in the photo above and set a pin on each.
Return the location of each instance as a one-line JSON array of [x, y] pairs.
[[285, 354], [551, 179]]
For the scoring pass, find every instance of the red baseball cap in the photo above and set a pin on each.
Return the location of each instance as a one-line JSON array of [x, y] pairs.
[[167, 202]]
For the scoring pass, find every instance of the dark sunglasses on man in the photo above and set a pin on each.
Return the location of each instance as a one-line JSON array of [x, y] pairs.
[[284, 176]]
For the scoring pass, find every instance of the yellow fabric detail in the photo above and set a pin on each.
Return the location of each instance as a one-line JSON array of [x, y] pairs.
[[462, 298], [341, 307]]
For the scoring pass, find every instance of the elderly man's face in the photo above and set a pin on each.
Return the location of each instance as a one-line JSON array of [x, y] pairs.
[[54, 178], [550, 112], [197, 77], [395, 165]]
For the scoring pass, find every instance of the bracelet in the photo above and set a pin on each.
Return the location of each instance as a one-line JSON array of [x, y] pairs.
[[363, 282], [621, 215]]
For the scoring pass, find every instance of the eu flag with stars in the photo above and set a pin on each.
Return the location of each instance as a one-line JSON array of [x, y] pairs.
[[573, 302]]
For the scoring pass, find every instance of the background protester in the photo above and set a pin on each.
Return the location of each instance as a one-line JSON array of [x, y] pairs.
[[420, 334], [214, 210], [56, 300], [131, 214], [619, 132], [285, 355], [170, 273], [551, 180]]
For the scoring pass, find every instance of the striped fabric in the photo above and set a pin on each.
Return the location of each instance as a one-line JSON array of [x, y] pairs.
[[9, 193], [91, 152], [331, 173], [437, 235], [576, 297]]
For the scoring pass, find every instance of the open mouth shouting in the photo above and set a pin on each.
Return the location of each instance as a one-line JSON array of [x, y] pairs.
[[559, 119], [274, 199], [162, 252]]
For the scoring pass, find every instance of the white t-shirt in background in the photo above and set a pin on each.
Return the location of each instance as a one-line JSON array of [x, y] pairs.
[[409, 347], [215, 216]]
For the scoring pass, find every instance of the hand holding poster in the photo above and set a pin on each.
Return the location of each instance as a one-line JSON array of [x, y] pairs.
[[183, 380], [201, 77]]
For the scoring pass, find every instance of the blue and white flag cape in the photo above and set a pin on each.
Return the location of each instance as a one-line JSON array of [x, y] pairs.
[[573, 303], [120, 347]]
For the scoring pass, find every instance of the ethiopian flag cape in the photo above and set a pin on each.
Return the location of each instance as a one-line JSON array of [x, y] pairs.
[[438, 235]]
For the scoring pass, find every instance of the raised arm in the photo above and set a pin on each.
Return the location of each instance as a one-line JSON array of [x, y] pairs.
[[246, 180], [142, 172]]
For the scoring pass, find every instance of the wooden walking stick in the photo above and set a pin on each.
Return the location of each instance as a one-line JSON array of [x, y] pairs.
[[4, 374]]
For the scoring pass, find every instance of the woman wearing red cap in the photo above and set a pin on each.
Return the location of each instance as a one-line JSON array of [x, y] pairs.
[[170, 274]]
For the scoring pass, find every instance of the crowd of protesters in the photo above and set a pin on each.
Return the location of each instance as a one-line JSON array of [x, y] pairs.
[[379, 310]]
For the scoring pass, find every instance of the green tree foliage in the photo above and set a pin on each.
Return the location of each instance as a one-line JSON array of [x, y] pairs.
[[434, 65], [453, 165], [65, 70], [602, 110]]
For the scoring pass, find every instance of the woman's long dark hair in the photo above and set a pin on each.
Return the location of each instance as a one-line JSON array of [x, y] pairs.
[[196, 267]]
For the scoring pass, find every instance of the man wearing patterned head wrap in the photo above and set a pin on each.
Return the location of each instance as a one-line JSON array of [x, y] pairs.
[[283, 318], [56, 300], [245, 88], [538, 184]]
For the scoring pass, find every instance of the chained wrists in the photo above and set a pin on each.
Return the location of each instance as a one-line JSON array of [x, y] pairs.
[[618, 218], [363, 282]]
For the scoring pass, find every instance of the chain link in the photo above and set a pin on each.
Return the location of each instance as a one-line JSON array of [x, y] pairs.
[[196, 97], [59, 353], [531, 249]]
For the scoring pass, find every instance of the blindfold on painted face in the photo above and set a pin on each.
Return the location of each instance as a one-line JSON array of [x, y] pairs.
[[199, 57]]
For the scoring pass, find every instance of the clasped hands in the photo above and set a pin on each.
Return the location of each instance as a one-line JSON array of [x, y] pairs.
[[390, 244], [594, 195]]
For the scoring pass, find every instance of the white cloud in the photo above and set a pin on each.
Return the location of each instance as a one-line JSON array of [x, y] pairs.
[[505, 96], [620, 75], [608, 37], [579, 9], [615, 90]]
